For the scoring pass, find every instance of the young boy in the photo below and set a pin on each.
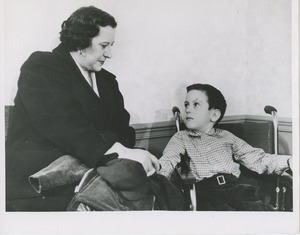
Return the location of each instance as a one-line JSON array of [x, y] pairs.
[[215, 154]]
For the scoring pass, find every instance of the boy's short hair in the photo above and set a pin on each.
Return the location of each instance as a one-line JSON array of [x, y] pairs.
[[215, 98]]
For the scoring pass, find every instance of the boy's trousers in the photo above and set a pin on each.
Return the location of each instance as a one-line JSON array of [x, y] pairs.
[[224, 192]]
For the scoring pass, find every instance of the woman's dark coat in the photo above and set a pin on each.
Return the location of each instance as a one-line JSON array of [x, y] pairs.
[[56, 112]]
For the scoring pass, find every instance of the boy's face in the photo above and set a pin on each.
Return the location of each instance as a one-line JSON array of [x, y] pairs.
[[198, 117]]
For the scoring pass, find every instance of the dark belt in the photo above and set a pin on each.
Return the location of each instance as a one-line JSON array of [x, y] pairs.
[[218, 181]]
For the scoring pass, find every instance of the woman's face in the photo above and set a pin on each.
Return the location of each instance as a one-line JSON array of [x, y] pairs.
[[94, 56]]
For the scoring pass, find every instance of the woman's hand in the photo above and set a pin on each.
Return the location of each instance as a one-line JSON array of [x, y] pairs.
[[149, 161]]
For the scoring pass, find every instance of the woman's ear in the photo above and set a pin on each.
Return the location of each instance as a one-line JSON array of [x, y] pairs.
[[215, 115], [82, 52]]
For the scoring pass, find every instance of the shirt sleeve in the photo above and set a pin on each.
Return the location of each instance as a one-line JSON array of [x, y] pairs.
[[257, 160], [171, 155]]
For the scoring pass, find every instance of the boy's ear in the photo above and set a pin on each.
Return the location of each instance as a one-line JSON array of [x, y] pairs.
[[215, 115]]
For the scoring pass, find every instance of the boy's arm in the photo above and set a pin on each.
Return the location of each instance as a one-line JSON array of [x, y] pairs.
[[257, 160], [171, 155]]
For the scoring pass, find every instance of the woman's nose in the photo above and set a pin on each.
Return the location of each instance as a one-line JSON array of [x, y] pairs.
[[107, 53]]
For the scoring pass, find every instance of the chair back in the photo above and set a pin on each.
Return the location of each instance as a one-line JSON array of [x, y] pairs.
[[8, 110]]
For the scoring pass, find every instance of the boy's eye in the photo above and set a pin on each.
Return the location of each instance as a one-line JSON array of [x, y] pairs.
[[196, 104], [186, 104]]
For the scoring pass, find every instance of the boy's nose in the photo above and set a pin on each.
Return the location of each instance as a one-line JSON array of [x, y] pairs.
[[187, 110]]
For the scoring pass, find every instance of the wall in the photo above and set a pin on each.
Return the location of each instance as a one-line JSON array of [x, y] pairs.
[[243, 47]]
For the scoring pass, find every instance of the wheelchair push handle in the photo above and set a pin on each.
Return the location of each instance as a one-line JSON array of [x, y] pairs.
[[284, 181], [185, 178], [273, 111], [176, 113], [269, 109]]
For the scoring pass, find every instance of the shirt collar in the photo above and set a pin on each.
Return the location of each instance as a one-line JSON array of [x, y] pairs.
[[194, 133]]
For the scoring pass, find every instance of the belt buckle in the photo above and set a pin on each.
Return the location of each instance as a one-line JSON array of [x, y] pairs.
[[221, 179]]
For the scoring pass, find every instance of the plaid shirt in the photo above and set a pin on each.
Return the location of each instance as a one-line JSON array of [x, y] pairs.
[[218, 151]]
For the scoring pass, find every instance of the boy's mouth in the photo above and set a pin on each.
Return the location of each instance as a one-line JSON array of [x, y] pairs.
[[189, 118]]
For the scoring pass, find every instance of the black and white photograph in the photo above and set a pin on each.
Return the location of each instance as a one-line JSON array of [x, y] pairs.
[[150, 117]]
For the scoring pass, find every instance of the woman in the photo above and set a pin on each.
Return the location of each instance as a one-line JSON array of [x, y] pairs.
[[68, 104]]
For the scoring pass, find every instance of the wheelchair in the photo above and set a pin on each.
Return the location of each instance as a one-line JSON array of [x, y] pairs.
[[274, 190]]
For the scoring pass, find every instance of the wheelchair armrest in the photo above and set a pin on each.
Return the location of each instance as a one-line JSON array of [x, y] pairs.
[[287, 176], [185, 177], [286, 180]]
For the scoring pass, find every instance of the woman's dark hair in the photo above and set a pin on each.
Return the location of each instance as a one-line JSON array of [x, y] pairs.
[[79, 29], [215, 98]]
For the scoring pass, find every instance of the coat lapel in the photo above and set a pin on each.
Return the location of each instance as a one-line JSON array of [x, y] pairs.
[[105, 91]]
